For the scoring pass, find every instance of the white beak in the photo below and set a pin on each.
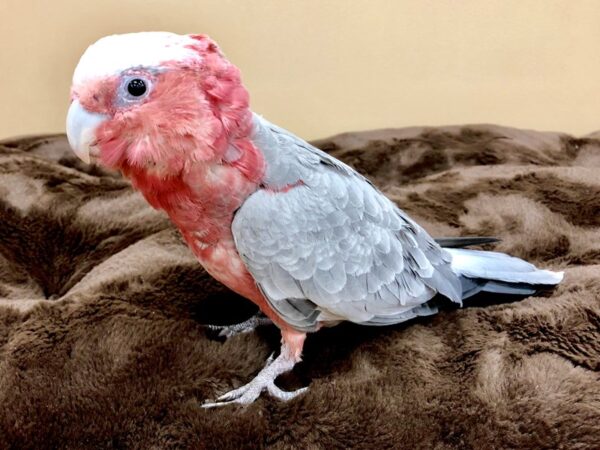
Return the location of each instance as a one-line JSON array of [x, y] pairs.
[[81, 129]]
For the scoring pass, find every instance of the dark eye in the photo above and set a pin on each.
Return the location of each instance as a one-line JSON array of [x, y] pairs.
[[136, 87]]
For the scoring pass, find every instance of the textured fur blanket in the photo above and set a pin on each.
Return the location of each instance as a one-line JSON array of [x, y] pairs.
[[102, 343]]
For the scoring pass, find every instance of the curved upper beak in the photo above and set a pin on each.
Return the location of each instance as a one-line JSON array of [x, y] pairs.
[[81, 129]]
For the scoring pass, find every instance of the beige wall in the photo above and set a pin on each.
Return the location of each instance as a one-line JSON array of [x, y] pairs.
[[322, 67]]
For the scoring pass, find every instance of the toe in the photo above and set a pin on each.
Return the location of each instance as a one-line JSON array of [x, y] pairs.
[[284, 395], [225, 332], [242, 396], [233, 394], [208, 405]]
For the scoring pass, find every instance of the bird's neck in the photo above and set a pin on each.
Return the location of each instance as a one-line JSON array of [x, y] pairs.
[[202, 199]]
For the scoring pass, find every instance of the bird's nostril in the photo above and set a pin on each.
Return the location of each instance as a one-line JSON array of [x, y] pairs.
[[96, 98]]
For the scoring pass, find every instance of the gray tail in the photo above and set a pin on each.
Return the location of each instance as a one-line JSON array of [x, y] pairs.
[[461, 242], [498, 273]]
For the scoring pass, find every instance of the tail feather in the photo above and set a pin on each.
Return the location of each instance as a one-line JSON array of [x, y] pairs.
[[499, 273], [472, 286], [460, 242]]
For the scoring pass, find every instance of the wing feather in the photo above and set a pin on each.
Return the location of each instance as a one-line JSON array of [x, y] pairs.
[[333, 247]]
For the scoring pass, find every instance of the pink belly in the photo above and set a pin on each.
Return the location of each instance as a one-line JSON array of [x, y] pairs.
[[223, 262]]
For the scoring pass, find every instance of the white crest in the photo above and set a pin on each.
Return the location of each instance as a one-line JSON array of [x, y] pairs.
[[111, 55]]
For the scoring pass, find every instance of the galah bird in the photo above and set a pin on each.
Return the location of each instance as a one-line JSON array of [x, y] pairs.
[[302, 235]]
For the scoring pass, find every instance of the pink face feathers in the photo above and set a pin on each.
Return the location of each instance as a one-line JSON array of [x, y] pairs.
[[193, 105]]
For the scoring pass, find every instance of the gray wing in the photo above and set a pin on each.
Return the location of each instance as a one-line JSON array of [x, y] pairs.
[[324, 245]]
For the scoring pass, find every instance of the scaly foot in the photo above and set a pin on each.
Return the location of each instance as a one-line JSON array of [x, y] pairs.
[[264, 381], [242, 327]]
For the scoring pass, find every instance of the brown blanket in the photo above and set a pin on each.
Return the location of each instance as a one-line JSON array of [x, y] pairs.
[[102, 343]]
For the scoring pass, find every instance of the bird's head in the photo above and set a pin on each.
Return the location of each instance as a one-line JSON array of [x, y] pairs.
[[155, 102]]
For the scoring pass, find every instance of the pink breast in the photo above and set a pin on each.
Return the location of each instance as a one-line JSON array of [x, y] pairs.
[[222, 261]]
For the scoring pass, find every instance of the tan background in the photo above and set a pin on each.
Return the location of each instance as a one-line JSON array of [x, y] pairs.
[[322, 67]]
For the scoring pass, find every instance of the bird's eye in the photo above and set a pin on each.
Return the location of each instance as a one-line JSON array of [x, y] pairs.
[[136, 87], [133, 90]]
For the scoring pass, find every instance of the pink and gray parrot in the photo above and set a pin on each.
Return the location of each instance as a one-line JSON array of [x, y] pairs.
[[299, 233]]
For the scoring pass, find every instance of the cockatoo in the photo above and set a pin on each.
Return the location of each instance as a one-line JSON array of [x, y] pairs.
[[299, 233]]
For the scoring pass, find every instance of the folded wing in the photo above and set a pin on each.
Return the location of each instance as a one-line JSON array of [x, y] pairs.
[[324, 245]]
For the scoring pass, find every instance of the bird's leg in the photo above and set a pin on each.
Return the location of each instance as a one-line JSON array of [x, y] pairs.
[[291, 349], [243, 327]]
